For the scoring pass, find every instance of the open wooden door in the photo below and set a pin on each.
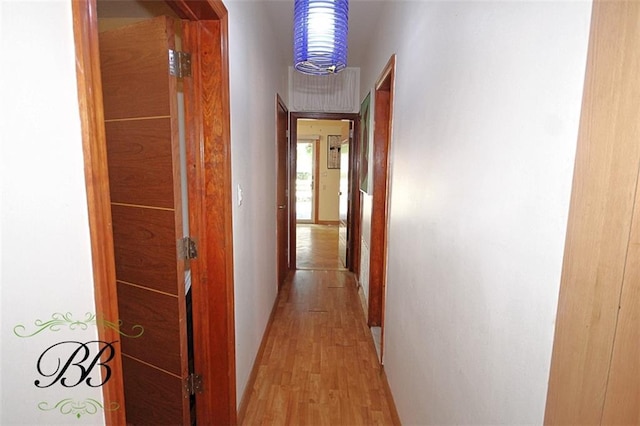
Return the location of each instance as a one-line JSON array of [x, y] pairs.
[[282, 192], [382, 126], [141, 123], [343, 205], [595, 367]]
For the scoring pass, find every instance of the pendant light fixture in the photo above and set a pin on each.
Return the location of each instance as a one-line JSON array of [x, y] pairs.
[[320, 36]]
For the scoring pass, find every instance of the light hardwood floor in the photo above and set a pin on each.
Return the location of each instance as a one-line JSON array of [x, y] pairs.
[[317, 247], [318, 365]]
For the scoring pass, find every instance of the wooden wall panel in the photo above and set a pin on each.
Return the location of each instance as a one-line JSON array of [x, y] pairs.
[[605, 180], [145, 247], [156, 312], [142, 76], [145, 387], [140, 166]]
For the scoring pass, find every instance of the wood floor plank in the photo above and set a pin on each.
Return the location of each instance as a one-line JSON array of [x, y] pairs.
[[317, 247], [319, 365]]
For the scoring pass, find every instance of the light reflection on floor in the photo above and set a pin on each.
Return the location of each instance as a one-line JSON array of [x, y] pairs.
[[317, 247]]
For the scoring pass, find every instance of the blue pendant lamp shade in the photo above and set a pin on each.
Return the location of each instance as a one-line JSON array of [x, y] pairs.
[[320, 36]]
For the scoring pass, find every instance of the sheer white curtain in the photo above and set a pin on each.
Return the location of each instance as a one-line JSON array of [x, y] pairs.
[[333, 93]]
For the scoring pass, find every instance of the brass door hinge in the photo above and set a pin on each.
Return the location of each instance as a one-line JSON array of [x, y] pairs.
[[188, 249], [179, 63], [193, 384]]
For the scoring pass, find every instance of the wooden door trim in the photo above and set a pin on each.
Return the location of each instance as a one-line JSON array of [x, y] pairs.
[[354, 210], [99, 201], [214, 327], [199, 10], [316, 178], [354, 164], [280, 105], [211, 164], [383, 125]]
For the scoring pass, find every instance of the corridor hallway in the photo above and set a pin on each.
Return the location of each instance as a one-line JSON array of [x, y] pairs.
[[319, 365]]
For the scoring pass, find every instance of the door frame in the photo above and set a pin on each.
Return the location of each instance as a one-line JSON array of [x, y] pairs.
[[382, 135], [315, 145], [210, 212], [282, 186], [341, 185], [353, 215]]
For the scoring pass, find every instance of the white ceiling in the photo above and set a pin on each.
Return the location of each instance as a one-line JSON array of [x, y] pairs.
[[363, 19]]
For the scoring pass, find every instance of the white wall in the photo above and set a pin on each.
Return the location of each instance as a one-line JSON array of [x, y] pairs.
[[256, 75], [365, 243], [485, 125], [45, 258]]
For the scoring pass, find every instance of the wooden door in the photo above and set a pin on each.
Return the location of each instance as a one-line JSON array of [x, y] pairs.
[[595, 366], [622, 401], [343, 204], [141, 124], [282, 191], [383, 112]]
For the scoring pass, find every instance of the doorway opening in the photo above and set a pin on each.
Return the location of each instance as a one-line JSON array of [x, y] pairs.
[[204, 31], [306, 168], [323, 162], [282, 191]]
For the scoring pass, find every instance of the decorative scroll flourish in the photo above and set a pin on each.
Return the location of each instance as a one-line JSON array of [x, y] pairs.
[[59, 320], [139, 330], [77, 408]]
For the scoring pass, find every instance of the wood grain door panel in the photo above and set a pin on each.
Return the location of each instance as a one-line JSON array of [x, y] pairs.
[[129, 60], [151, 398], [205, 35], [160, 343], [145, 248], [139, 156], [141, 122]]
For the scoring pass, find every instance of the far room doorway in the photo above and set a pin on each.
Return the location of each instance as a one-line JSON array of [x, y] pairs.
[[322, 161], [306, 168]]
